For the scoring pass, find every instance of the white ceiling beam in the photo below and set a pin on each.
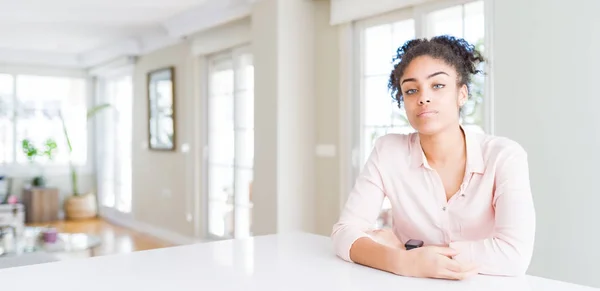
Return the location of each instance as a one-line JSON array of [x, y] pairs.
[[127, 47], [35, 58], [156, 40], [108, 68], [211, 14]]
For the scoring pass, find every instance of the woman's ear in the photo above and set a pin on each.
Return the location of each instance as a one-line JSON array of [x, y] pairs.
[[463, 95]]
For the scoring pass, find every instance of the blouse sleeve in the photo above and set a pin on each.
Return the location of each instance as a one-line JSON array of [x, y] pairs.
[[362, 207]]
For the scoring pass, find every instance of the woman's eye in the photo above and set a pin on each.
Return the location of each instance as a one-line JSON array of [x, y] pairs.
[[439, 86], [410, 91]]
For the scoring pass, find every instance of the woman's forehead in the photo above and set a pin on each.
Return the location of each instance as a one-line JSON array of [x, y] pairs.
[[424, 66]]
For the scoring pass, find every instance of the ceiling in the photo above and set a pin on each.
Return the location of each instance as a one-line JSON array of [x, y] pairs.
[[76, 28]]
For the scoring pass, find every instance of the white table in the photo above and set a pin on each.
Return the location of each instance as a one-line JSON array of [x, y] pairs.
[[280, 262], [11, 261]]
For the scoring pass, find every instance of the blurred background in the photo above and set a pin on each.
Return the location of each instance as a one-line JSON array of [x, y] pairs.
[[131, 125]]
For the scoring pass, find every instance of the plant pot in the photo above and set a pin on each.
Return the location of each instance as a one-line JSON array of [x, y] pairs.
[[81, 206], [39, 181]]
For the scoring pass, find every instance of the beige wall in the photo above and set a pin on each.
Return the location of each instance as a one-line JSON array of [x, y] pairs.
[[295, 120], [283, 47], [161, 181], [327, 76], [296, 87], [265, 49]]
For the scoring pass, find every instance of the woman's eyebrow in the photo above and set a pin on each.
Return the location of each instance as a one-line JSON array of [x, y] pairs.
[[428, 77]]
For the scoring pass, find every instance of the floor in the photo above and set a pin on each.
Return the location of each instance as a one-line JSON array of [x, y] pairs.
[[115, 239]]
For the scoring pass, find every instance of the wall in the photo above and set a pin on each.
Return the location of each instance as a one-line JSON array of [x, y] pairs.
[[546, 64], [296, 127], [327, 74], [264, 46], [283, 47], [161, 180]]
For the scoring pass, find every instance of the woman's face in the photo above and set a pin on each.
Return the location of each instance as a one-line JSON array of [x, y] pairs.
[[432, 97]]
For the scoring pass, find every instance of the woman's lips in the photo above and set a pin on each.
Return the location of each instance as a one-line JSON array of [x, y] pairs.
[[427, 113]]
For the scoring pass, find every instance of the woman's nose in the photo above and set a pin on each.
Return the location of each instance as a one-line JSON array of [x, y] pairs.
[[424, 99]]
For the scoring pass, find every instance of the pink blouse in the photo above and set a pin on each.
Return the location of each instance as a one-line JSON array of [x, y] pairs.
[[490, 221]]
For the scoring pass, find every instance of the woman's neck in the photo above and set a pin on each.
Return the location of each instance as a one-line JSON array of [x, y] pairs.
[[447, 146]]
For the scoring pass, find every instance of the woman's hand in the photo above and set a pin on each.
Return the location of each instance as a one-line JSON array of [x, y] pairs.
[[433, 262]]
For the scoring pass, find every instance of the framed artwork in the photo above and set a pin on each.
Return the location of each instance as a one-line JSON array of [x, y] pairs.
[[161, 109]]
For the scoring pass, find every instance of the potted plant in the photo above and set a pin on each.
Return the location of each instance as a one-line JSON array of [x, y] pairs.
[[31, 152], [80, 205]]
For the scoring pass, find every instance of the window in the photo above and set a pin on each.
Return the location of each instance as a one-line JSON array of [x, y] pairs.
[[230, 144], [7, 144], [379, 40], [30, 108], [115, 143]]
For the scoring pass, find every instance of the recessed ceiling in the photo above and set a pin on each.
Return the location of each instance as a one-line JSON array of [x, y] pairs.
[[78, 26]]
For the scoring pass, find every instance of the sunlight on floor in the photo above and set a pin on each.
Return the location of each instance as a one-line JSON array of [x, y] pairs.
[[115, 239]]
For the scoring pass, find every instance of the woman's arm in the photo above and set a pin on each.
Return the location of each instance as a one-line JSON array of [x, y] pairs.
[[356, 241], [368, 252], [508, 252], [383, 252], [361, 209]]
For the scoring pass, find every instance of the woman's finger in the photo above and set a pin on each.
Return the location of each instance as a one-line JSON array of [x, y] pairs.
[[473, 272], [451, 275], [448, 252], [452, 265], [453, 270]]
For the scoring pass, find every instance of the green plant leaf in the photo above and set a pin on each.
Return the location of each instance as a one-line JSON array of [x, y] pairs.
[[94, 110], [29, 150], [64, 126], [50, 148], [90, 113]]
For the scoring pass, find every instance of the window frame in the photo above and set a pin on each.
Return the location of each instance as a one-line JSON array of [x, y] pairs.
[[19, 170]]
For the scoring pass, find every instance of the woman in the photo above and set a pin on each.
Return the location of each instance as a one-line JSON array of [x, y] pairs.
[[464, 195]]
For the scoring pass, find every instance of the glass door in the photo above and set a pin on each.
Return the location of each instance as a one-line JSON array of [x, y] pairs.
[[115, 144], [230, 159]]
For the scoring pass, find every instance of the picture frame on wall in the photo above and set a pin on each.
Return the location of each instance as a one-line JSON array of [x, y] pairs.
[[161, 109]]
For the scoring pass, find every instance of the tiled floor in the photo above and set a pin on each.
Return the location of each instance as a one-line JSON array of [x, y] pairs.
[[115, 239]]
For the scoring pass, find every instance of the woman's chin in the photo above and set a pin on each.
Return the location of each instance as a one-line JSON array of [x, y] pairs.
[[429, 128]]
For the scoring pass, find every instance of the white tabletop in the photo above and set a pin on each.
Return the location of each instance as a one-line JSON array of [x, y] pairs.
[[279, 262]]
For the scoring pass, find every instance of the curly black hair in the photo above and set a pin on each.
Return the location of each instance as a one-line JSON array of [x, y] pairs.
[[456, 52]]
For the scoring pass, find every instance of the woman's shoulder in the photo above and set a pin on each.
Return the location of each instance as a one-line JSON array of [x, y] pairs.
[[394, 141], [500, 147]]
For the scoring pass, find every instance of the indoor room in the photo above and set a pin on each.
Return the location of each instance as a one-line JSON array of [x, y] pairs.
[[236, 143]]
